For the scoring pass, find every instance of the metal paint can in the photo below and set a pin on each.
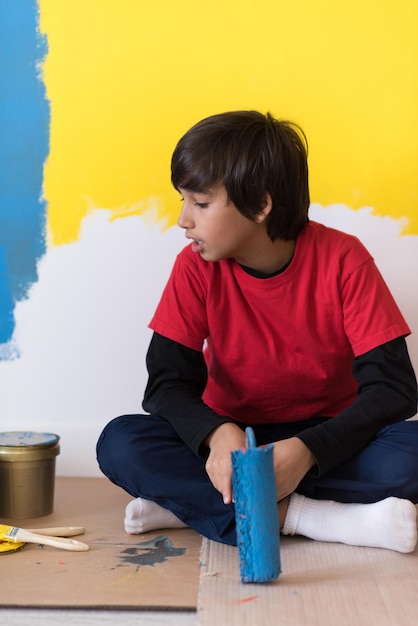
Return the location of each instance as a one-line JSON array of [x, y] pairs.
[[27, 473]]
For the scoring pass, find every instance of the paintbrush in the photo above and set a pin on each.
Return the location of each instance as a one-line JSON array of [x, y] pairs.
[[9, 546], [12, 533], [58, 531], [256, 514]]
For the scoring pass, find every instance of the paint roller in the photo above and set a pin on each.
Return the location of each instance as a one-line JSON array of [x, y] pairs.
[[256, 514]]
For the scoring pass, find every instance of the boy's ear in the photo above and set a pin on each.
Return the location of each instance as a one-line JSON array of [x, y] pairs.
[[265, 209]]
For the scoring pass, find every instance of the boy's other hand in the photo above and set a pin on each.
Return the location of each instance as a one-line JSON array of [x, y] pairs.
[[221, 442], [292, 460]]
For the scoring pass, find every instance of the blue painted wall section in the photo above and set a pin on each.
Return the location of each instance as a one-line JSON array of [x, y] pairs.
[[24, 146]]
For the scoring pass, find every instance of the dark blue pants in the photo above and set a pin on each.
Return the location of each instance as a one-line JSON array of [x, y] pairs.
[[143, 455]]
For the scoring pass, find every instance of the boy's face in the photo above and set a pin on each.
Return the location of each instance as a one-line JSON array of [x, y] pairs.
[[216, 228]]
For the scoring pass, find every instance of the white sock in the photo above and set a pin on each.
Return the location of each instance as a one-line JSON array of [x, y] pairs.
[[142, 515], [390, 523]]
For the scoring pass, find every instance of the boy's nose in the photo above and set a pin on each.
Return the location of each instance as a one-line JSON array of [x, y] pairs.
[[184, 219]]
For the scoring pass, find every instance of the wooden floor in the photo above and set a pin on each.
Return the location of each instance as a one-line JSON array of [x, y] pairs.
[[50, 617]]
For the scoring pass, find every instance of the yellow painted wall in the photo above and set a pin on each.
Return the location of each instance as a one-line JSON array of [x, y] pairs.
[[127, 78]]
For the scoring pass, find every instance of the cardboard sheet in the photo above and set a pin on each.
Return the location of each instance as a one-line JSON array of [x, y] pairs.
[[157, 570], [322, 584]]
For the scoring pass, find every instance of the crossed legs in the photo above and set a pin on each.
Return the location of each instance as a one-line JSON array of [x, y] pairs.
[[366, 501]]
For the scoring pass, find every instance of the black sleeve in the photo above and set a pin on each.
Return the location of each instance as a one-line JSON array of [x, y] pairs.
[[177, 379], [387, 393]]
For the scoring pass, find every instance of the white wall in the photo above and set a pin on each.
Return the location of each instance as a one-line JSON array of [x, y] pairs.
[[82, 333]]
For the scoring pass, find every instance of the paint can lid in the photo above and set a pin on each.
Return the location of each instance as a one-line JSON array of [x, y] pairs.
[[25, 439], [28, 446]]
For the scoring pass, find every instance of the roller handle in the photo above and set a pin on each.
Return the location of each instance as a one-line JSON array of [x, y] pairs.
[[250, 438]]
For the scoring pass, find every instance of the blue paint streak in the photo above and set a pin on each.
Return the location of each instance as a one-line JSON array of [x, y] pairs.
[[6, 303], [24, 146]]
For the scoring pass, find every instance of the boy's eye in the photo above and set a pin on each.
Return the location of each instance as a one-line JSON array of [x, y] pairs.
[[201, 205]]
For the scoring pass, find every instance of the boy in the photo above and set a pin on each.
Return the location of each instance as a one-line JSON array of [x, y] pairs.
[[274, 321]]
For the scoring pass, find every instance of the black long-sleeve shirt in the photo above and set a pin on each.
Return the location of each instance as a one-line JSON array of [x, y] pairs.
[[387, 393]]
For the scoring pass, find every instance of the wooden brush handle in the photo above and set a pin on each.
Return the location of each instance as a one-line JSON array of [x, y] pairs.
[[58, 531], [56, 542]]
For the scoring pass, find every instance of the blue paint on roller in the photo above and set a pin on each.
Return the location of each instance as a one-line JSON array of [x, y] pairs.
[[256, 514]]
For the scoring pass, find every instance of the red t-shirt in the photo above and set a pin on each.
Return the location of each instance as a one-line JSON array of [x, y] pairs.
[[281, 348]]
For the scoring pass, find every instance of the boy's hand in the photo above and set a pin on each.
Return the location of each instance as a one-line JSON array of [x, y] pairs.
[[221, 442], [292, 460]]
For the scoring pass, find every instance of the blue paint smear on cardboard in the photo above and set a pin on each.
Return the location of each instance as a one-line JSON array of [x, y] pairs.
[[24, 146], [152, 552]]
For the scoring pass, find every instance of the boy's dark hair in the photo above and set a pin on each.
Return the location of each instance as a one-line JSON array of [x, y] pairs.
[[250, 154]]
